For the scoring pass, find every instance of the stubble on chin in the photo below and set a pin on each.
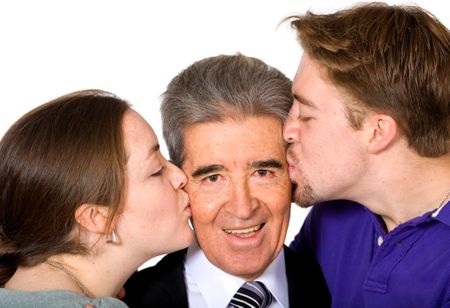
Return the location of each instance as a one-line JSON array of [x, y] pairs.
[[304, 196]]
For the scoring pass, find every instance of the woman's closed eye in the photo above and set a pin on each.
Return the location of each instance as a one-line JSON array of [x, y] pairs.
[[158, 173]]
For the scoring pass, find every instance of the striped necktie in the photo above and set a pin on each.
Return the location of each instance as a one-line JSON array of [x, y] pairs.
[[252, 294]]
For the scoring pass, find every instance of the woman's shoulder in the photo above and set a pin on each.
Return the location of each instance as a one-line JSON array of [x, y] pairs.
[[57, 298]]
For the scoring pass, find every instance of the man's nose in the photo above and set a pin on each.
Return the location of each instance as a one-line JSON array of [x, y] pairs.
[[291, 130], [241, 204]]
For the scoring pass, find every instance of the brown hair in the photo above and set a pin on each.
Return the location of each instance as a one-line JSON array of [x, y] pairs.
[[218, 87], [53, 159], [391, 59]]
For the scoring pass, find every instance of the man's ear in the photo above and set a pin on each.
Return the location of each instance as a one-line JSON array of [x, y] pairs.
[[383, 130], [93, 217]]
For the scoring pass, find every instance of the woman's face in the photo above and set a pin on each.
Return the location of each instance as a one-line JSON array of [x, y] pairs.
[[156, 209]]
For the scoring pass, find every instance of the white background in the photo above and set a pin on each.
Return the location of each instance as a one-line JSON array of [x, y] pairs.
[[133, 48]]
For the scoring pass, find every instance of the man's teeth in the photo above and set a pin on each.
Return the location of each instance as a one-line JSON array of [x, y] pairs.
[[244, 231]]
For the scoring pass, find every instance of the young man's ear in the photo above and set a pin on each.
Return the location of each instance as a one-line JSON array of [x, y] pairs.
[[92, 217], [383, 130]]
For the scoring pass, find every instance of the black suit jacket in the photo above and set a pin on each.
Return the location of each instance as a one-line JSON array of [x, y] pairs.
[[163, 285]]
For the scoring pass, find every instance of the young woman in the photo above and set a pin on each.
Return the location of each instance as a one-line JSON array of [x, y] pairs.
[[85, 198]]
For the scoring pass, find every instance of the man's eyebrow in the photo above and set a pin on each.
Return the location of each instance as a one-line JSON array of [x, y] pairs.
[[203, 170], [304, 101], [271, 163]]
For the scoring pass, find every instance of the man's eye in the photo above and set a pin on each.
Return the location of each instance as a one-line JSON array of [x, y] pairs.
[[302, 117], [213, 178], [263, 172]]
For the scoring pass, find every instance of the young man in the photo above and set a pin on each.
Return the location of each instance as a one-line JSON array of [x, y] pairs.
[[222, 121], [370, 123]]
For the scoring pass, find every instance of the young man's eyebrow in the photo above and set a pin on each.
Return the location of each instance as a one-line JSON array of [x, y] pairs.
[[203, 170], [304, 101]]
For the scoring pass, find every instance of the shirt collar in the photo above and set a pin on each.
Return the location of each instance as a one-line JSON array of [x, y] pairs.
[[443, 214], [218, 287]]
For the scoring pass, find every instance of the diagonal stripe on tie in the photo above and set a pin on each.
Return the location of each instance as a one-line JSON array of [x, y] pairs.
[[247, 298], [253, 294]]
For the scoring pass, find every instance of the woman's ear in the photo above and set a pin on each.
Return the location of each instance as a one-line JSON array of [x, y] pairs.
[[93, 217], [383, 129]]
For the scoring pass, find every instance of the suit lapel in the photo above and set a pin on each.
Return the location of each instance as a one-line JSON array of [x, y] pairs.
[[306, 285], [175, 284]]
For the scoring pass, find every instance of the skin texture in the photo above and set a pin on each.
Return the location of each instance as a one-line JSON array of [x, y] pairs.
[[237, 180], [326, 156], [156, 208]]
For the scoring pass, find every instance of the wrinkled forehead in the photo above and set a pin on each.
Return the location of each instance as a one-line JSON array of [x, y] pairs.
[[243, 140]]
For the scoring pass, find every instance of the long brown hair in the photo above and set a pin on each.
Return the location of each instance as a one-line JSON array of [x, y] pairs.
[[53, 159]]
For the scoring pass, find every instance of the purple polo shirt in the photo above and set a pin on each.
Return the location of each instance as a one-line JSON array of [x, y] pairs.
[[366, 267]]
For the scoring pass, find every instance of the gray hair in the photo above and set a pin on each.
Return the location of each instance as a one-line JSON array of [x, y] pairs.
[[215, 88]]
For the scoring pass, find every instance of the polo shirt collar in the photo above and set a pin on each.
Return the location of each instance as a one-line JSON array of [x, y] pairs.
[[443, 214]]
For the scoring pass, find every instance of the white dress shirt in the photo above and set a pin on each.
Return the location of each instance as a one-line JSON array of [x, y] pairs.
[[210, 287]]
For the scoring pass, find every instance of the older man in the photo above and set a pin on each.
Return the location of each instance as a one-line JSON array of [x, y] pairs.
[[222, 121]]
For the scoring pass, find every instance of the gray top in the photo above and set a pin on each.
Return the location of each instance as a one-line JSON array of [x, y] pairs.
[[54, 299]]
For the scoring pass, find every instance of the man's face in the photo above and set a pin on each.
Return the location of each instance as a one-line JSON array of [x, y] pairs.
[[239, 190], [327, 158]]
